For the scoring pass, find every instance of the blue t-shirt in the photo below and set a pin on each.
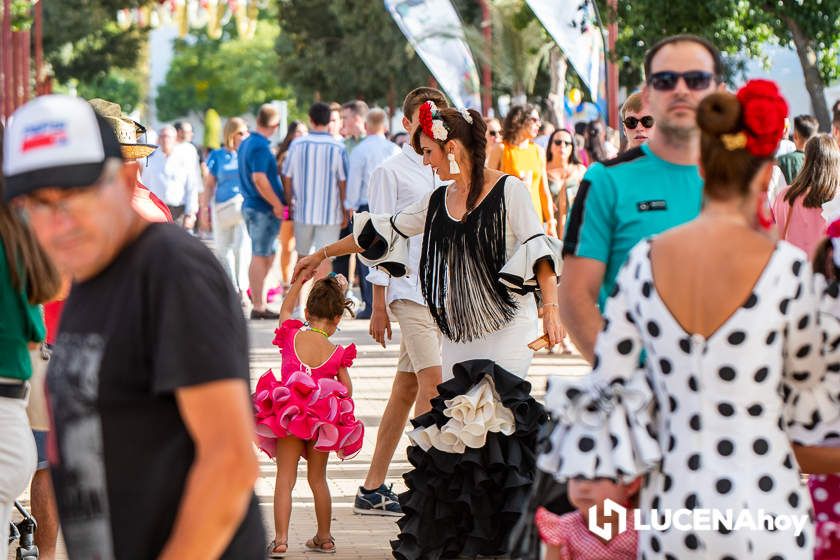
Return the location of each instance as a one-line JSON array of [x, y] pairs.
[[255, 157], [624, 200], [223, 164]]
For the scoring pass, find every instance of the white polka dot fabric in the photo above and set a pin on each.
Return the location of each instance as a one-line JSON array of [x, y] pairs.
[[709, 421]]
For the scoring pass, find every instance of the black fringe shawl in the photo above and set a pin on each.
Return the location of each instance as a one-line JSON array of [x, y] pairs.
[[460, 267]]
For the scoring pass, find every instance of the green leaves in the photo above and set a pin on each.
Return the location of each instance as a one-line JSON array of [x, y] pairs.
[[82, 41], [233, 76], [344, 49]]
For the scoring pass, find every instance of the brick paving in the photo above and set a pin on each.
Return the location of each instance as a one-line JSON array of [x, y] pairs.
[[357, 537]]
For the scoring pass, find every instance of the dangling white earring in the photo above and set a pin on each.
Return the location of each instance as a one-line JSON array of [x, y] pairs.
[[453, 165]]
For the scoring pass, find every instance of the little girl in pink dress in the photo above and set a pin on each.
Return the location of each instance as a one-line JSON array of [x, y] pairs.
[[308, 411]]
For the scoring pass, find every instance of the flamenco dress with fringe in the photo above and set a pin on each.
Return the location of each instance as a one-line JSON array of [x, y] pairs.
[[473, 453], [307, 403]]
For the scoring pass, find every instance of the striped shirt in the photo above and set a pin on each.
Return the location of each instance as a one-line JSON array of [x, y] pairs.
[[315, 164]]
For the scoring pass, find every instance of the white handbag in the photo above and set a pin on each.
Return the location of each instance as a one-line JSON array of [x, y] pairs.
[[229, 212]]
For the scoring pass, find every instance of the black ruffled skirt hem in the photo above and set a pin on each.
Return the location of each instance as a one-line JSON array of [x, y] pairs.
[[466, 504]]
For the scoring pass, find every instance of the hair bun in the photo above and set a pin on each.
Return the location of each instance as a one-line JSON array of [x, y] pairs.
[[719, 113]]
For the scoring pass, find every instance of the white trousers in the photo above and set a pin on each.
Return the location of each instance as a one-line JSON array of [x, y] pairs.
[[233, 248], [17, 461]]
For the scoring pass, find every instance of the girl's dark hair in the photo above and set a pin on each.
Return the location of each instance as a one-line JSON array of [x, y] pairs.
[[30, 268], [819, 179], [727, 173], [594, 146], [327, 300], [573, 157], [472, 137], [823, 262], [516, 118], [290, 135]]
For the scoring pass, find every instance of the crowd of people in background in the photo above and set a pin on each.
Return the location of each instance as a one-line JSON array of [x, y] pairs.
[[219, 195], [450, 224]]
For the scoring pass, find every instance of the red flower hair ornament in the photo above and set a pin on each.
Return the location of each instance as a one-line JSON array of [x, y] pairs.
[[431, 123], [763, 113]]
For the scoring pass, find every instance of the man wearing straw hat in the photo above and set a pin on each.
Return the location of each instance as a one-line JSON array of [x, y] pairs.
[[128, 132]]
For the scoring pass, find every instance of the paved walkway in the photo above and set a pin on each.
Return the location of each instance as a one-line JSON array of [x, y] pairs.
[[357, 537]]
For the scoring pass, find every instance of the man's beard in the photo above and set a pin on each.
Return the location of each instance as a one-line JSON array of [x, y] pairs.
[[677, 134]]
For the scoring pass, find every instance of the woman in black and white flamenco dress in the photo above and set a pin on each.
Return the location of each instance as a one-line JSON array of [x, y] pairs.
[[484, 253]]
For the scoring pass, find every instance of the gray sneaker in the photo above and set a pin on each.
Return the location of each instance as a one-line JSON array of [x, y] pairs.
[[381, 501]]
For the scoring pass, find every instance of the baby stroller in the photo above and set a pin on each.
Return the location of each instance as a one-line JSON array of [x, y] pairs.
[[24, 533]]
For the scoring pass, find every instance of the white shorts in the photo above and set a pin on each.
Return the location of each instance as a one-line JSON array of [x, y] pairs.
[[311, 237]]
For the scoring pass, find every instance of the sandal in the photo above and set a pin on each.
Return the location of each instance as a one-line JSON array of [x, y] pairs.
[[313, 545], [274, 553]]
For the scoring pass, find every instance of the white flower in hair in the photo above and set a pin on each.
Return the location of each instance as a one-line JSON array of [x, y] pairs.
[[466, 114], [439, 130]]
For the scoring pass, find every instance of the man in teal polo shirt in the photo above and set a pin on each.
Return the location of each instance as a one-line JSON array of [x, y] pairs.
[[644, 191]]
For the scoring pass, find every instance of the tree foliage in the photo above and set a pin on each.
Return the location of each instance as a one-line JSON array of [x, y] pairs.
[[520, 46], [116, 86], [735, 26], [82, 40], [231, 75], [345, 49]]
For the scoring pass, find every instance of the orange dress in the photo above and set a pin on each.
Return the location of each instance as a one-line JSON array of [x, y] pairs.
[[528, 164]]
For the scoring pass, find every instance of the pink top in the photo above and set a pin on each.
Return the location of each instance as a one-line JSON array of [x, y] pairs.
[[284, 339], [807, 226], [570, 532]]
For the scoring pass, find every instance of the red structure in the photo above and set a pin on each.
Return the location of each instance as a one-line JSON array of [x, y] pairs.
[[612, 66], [16, 84]]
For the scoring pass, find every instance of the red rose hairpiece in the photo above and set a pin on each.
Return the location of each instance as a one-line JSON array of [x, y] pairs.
[[763, 113], [431, 123]]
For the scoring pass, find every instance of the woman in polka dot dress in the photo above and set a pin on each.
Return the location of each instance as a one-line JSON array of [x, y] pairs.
[[825, 487], [740, 365]]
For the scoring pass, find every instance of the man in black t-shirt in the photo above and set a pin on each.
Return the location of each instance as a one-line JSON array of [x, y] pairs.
[[151, 450]]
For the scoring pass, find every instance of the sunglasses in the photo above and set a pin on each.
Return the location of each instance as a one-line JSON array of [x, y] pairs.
[[563, 143], [630, 123], [694, 80]]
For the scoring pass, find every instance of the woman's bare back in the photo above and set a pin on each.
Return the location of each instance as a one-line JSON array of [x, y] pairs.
[[706, 270]]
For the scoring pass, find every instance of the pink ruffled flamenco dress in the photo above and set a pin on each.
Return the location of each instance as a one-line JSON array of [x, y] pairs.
[[307, 403]]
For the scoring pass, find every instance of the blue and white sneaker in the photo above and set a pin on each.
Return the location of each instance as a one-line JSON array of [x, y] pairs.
[[381, 501]]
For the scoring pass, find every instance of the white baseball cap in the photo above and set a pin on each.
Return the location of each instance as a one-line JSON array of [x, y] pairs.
[[55, 141]]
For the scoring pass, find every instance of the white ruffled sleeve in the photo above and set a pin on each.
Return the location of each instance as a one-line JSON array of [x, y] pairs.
[[384, 238], [811, 380], [519, 272], [606, 421]]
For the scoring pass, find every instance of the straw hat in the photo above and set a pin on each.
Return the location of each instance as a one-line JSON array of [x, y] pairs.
[[126, 129]]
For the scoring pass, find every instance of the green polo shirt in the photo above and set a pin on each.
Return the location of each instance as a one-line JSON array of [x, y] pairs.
[[624, 200], [21, 324], [791, 164]]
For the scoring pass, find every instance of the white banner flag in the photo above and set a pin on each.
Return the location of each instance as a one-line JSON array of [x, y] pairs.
[[434, 29], [573, 26]]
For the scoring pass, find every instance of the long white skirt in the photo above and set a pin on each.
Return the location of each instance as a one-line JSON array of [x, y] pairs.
[[507, 347]]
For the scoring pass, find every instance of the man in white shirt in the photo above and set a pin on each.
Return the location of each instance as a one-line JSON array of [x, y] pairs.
[[366, 157], [172, 174], [400, 181]]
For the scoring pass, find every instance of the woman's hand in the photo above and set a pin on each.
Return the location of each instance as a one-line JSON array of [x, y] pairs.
[[551, 324], [307, 266]]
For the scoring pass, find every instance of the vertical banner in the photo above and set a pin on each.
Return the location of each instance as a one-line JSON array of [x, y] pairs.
[[573, 26], [434, 29]]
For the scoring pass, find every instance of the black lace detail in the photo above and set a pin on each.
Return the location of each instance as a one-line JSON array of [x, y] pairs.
[[460, 267]]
